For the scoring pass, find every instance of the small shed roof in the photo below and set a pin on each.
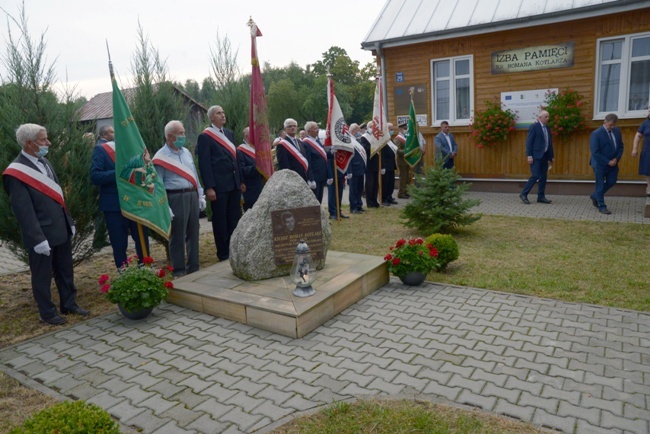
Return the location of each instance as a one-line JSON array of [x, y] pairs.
[[403, 22], [101, 105]]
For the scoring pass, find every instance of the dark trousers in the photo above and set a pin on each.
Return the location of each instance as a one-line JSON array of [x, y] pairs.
[[387, 185], [606, 178], [448, 164], [331, 195], [225, 216], [319, 190], [356, 192], [42, 267], [539, 172], [372, 188], [118, 228], [185, 232]]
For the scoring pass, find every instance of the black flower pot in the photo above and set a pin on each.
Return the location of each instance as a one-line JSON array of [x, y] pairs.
[[412, 278], [140, 314]]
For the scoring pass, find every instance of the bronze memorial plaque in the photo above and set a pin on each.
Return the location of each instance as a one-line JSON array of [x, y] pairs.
[[295, 224]]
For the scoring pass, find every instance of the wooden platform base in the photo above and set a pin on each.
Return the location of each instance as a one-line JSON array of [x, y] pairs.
[[270, 304]]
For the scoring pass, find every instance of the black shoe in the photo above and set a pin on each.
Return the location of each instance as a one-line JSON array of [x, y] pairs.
[[543, 200], [392, 200], [373, 205], [343, 216], [524, 199], [355, 211], [76, 311], [604, 210], [385, 203], [362, 210], [55, 320], [594, 202]]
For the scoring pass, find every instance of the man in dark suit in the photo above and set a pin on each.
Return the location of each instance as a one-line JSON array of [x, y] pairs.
[[222, 180], [251, 177], [332, 191], [290, 151], [388, 167], [317, 158], [539, 151], [45, 224], [606, 145], [356, 173], [372, 169], [446, 146], [102, 174]]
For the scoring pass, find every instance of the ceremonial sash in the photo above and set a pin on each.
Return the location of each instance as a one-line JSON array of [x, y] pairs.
[[314, 144], [361, 151], [177, 167], [392, 146], [400, 137], [295, 152], [247, 149], [222, 140], [37, 180], [109, 147]]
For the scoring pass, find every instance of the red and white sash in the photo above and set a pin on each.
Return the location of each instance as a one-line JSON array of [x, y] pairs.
[[400, 138], [222, 140], [295, 152], [177, 167], [109, 147], [247, 149], [360, 150], [37, 180], [318, 148]]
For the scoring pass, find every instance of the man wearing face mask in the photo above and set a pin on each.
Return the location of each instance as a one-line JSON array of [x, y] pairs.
[[37, 201], [175, 166], [102, 174]]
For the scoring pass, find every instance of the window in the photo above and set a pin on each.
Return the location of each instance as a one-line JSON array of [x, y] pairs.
[[623, 76], [453, 91]]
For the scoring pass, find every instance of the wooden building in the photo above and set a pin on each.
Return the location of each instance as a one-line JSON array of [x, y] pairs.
[[457, 54]]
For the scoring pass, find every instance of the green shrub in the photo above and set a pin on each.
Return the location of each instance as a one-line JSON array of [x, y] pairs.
[[446, 246], [438, 203], [69, 417]]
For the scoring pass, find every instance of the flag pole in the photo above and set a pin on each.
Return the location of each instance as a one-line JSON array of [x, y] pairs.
[[145, 252]]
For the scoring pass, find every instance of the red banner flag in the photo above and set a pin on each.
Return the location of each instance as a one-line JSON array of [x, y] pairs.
[[337, 135], [258, 122]]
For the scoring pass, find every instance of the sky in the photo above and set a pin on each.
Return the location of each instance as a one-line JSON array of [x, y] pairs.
[[184, 31]]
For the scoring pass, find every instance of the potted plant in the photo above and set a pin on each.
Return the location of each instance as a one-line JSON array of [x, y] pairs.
[[411, 260], [491, 126], [565, 113], [138, 288]]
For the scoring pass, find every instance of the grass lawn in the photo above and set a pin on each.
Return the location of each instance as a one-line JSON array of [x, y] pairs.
[[577, 261]]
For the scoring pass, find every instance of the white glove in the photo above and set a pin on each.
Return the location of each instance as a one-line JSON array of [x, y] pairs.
[[202, 203], [383, 171], [73, 230], [349, 176], [43, 248], [171, 213], [312, 184], [330, 181]]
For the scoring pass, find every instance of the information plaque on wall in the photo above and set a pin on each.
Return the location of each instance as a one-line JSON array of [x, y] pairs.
[[292, 225]]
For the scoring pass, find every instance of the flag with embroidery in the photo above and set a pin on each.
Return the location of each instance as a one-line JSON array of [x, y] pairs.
[[142, 194], [379, 136], [412, 150], [337, 135]]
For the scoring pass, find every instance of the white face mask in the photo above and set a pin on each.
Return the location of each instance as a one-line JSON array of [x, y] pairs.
[[42, 151]]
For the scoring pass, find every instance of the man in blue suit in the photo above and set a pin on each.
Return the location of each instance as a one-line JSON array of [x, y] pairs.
[[102, 174], [606, 144], [446, 146], [356, 173], [539, 151], [317, 158]]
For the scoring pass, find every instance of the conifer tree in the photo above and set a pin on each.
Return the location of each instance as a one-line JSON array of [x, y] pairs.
[[438, 203]]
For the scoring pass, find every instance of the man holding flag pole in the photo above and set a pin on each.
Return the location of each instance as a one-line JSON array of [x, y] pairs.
[[377, 136], [141, 192], [340, 144]]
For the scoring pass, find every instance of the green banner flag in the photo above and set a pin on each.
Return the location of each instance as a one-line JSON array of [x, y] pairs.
[[412, 151], [143, 198]]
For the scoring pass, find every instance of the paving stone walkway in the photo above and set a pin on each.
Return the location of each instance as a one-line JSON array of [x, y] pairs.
[[574, 368]]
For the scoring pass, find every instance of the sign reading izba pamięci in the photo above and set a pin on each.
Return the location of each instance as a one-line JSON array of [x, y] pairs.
[[533, 58]]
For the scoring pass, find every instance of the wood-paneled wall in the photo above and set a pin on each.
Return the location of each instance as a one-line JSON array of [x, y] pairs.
[[508, 160]]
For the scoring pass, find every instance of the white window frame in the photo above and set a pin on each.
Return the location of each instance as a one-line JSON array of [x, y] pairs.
[[435, 122], [624, 85]]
